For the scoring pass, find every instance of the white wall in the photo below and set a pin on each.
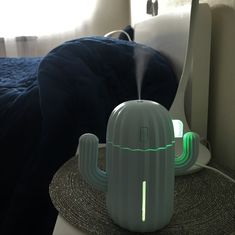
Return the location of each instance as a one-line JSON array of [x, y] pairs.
[[107, 16], [221, 122], [222, 83], [110, 15], [221, 126]]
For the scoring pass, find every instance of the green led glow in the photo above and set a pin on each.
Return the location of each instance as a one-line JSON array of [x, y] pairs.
[[143, 200], [142, 150], [187, 146]]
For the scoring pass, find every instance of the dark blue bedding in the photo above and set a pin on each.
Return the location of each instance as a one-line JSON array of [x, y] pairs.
[[19, 104], [18, 78], [20, 122], [46, 104]]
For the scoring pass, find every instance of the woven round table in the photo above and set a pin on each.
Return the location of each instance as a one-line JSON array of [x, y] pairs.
[[204, 203]]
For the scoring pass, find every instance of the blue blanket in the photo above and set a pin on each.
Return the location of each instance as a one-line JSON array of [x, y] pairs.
[[83, 80], [79, 84], [18, 80]]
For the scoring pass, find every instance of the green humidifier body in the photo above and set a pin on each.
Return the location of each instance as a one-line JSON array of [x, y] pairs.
[[140, 164]]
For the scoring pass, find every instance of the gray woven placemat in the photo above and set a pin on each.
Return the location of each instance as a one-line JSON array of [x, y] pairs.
[[204, 203]]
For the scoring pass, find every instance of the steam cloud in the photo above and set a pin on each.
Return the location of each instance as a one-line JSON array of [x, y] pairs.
[[142, 57]]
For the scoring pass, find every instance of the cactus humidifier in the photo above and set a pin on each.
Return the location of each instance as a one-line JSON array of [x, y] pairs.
[[140, 164]]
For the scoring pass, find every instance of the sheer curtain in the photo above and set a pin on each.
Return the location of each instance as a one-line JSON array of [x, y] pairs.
[[33, 28]]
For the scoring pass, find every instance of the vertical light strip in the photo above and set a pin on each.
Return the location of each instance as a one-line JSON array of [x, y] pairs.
[[143, 200]]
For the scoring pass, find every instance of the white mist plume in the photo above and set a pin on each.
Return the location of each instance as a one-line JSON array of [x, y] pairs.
[[142, 57]]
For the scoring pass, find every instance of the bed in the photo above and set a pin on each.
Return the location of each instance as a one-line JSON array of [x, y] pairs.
[[20, 122], [46, 103]]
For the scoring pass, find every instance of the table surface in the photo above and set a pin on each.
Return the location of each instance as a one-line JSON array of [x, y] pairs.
[[214, 200], [62, 227]]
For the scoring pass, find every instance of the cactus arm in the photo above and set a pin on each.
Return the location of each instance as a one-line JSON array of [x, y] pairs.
[[87, 162], [190, 153]]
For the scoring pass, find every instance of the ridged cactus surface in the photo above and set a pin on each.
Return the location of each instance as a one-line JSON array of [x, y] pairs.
[[88, 150], [140, 164]]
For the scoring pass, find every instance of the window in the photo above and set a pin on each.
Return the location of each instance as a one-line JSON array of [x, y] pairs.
[[43, 17]]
